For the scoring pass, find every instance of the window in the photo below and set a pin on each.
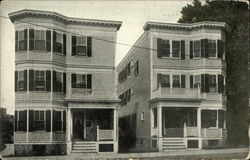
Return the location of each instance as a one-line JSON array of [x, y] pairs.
[[176, 49], [155, 117], [191, 118], [213, 118], [165, 48], [197, 81], [39, 80], [21, 80], [57, 120], [197, 48], [176, 81], [58, 85], [136, 68], [165, 81], [40, 40], [81, 81], [59, 43], [212, 48], [81, 46], [21, 41], [212, 83], [39, 120], [142, 116]]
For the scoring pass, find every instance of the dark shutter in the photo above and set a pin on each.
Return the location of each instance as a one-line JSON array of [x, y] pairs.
[[16, 81], [73, 80], [64, 121], [203, 83], [48, 40], [64, 83], [16, 41], [206, 83], [25, 80], [48, 80], [191, 49], [73, 45], [159, 48], [54, 41], [31, 39], [183, 81], [89, 81], [191, 81], [203, 48], [23, 116], [25, 39], [31, 80], [220, 48], [159, 80], [15, 121], [55, 125], [182, 49], [54, 81], [220, 83], [206, 48], [64, 44], [48, 120], [204, 119], [31, 119], [221, 118], [89, 46]]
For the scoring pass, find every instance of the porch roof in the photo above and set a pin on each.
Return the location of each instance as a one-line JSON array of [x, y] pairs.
[[175, 100]]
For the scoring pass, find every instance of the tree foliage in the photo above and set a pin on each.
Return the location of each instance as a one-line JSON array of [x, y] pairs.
[[236, 15], [6, 128]]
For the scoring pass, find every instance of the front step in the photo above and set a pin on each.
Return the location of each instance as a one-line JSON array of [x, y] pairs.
[[173, 144], [84, 147]]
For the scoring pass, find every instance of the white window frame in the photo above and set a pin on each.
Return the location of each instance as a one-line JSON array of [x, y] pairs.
[[194, 49], [39, 77], [217, 120], [20, 38], [172, 82], [78, 43], [171, 46], [42, 34], [81, 80], [195, 81], [20, 79], [216, 82], [61, 78], [215, 42]]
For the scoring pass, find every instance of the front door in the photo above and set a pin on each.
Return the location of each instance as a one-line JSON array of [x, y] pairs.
[[78, 125]]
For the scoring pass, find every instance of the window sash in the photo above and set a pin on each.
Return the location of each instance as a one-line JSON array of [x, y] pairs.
[[176, 49], [40, 35], [197, 48], [39, 116], [212, 48], [81, 81], [82, 41], [20, 35], [197, 81], [176, 81], [59, 38]]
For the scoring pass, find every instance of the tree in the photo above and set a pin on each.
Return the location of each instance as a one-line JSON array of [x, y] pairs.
[[235, 14]]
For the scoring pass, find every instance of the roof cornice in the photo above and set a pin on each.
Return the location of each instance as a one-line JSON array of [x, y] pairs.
[[187, 26], [15, 16]]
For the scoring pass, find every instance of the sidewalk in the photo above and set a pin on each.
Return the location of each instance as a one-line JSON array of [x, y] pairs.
[[232, 153]]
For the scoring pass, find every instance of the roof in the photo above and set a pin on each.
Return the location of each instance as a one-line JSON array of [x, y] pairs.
[[15, 16], [186, 26]]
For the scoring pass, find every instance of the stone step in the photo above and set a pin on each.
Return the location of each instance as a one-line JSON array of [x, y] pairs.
[[83, 147], [83, 151], [167, 145]]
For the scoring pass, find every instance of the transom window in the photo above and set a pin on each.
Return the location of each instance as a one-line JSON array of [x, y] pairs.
[[212, 83], [197, 48], [81, 47], [176, 49], [21, 80], [212, 48], [176, 81], [197, 81]]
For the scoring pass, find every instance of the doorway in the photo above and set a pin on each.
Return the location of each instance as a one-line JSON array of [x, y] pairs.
[[78, 126]]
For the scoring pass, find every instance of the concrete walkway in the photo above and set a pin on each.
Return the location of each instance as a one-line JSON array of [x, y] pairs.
[[232, 153]]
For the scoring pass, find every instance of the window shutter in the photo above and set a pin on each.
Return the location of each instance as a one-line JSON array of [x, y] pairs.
[[73, 45], [221, 118], [25, 39], [73, 80], [64, 121], [31, 80], [182, 49], [54, 41], [16, 41], [191, 81], [159, 48], [203, 83], [54, 81], [48, 40], [23, 116], [204, 119], [64, 44], [64, 83], [183, 81], [31, 119], [203, 48], [220, 83], [159, 79], [220, 48], [206, 48], [48, 120], [16, 81], [89, 81], [31, 39], [191, 49], [48, 80], [15, 121], [25, 80], [55, 125], [206, 83], [89, 46]]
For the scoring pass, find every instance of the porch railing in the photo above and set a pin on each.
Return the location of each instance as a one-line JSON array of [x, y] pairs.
[[104, 134]]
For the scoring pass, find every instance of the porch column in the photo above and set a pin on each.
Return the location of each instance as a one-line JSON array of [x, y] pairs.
[[115, 131], [68, 130], [159, 123], [199, 126]]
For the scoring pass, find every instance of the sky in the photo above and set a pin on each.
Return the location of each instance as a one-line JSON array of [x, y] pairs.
[[133, 14]]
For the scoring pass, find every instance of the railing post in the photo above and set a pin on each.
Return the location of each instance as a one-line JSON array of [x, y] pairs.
[[184, 130], [97, 133]]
